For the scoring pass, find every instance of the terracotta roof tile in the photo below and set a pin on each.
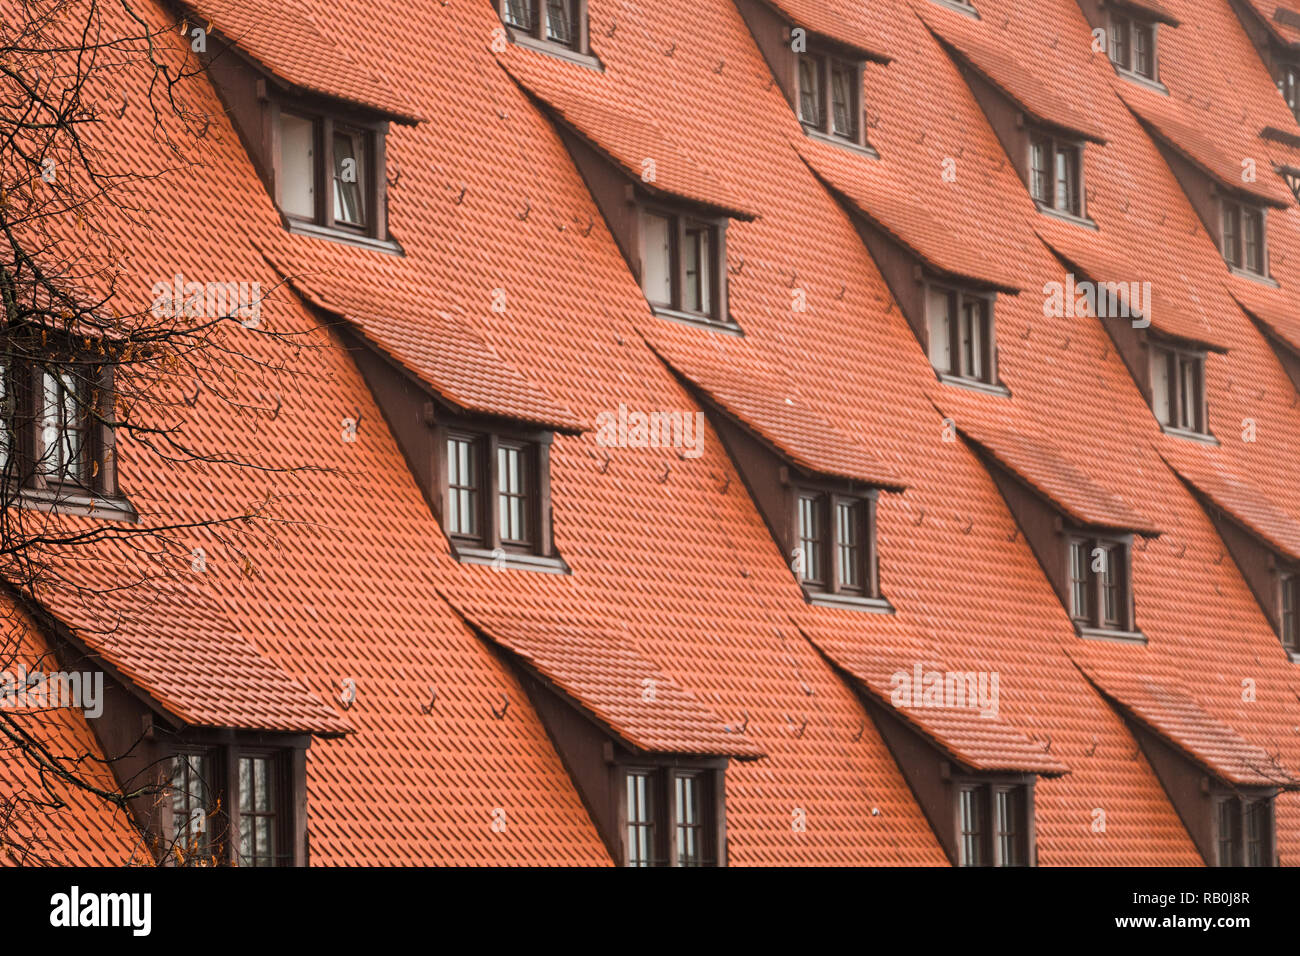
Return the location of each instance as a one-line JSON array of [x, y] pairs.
[[959, 245], [1183, 317], [1276, 309], [1220, 156], [1155, 8], [1246, 505], [1046, 96], [851, 25], [1281, 18], [298, 46], [767, 403], [610, 679], [1169, 710], [1064, 483]]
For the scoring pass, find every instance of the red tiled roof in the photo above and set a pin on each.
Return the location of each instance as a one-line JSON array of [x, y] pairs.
[[1276, 309], [607, 677], [959, 245], [1155, 8], [1062, 482], [628, 136], [296, 45], [1046, 97], [1246, 505], [982, 741], [450, 356], [1183, 317], [1281, 18], [766, 403], [1171, 712], [173, 640], [1219, 156], [851, 25]]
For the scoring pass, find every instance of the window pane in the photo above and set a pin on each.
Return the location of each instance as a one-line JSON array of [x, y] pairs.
[[844, 115], [512, 494], [1080, 580], [63, 427], [559, 21], [257, 817], [812, 535], [1161, 384], [810, 90], [658, 282], [349, 175], [1189, 393], [1257, 833], [1119, 51], [462, 487], [640, 820], [848, 539], [972, 338], [1232, 233], [1009, 803], [972, 826], [518, 13], [1067, 179], [1229, 831], [1290, 595], [690, 828], [1111, 586], [297, 166], [699, 273], [941, 305], [190, 806], [1253, 237], [1143, 45], [1040, 171]]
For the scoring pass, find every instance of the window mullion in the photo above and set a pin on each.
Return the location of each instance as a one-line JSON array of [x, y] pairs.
[[491, 508]]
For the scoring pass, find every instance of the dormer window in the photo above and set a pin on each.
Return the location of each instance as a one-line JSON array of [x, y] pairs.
[[550, 25], [668, 813], [1133, 45], [493, 500], [1243, 830], [326, 173], [1055, 174], [1286, 613], [836, 543], [1243, 236], [1178, 395], [993, 824], [830, 96], [1288, 84], [1100, 583], [960, 330], [682, 264]]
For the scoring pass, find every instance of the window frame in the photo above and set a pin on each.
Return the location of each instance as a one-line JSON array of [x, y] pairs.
[[828, 496], [956, 298], [1093, 618], [281, 811], [1233, 242], [988, 791], [1288, 84], [489, 437], [537, 34], [372, 183], [680, 220], [1240, 809], [1175, 358], [663, 774], [1288, 618], [825, 62], [1133, 26], [208, 850], [1055, 144]]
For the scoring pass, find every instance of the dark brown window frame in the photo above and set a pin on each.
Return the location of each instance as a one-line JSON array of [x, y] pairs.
[[988, 336], [825, 60], [223, 750], [1233, 245], [1239, 807], [1056, 143], [680, 217], [211, 847], [325, 121], [1288, 618], [830, 589], [488, 545], [1133, 24], [1177, 356], [1092, 622], [991, 849], [94, 487], [1288, 84], [663, 772], [536, 35]]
